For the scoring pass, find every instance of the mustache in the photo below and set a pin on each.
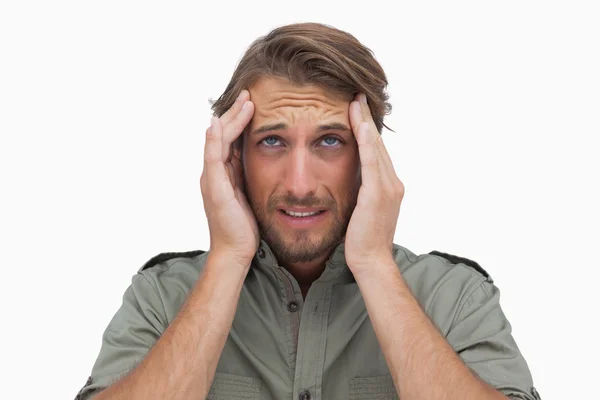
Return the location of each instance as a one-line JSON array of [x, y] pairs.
[[292, 201]]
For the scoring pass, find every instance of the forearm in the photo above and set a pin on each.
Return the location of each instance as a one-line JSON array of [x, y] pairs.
[[182, 363], [422, 363]]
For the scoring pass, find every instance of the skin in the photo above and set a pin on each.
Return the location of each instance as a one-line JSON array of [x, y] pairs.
[[300, 166], [182, 364], [359, 182]]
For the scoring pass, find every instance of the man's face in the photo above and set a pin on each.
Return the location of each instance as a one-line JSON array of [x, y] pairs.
[[300, 155]]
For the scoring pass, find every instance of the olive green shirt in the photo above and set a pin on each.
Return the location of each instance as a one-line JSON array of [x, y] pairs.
[[282, 346]]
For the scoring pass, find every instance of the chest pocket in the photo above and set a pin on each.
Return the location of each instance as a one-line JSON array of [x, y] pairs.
[[234, 387], [373, 388]]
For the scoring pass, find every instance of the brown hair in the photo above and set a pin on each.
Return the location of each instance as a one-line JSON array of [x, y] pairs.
[[312, 53]]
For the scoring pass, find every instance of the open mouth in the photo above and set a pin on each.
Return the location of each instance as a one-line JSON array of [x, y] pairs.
[[301, 214]]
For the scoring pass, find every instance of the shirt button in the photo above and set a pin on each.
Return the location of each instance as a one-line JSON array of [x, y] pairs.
[[292, 306], [305, 395], [261, 253]]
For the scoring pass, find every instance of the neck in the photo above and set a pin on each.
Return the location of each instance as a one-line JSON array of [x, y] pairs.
[[306, 273]]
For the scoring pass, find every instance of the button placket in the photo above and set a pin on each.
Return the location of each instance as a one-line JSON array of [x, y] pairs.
[[312, 340], [290, 302]]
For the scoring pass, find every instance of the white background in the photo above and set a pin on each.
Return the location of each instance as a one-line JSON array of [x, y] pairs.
[[103, 108]]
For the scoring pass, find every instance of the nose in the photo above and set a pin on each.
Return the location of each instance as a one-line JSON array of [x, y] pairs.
[[300, 179]]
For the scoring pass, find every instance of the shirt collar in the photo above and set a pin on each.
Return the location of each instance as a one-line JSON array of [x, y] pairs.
[[335, 265]]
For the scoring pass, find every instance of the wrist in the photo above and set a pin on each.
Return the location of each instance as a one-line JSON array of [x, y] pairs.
[[223, 272], [228, 261], [377, 268], [382, 280]]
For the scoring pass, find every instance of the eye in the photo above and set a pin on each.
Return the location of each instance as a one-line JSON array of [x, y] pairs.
[[270, 141], [327, 141], [331, 141]]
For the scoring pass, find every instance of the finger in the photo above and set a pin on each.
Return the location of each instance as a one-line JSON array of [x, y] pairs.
[[214, 168], [368, 117], [369, 157], [388, 175], [235, 127], [365, 113], [364, 108], [367, 146], [236, 107], [355, 114]]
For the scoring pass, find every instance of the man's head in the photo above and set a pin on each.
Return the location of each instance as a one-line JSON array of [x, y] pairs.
[[298, 152]]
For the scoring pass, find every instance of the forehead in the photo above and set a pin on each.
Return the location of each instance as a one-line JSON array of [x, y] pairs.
[[278, 100]]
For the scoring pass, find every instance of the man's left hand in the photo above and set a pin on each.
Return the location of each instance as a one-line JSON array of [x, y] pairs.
[[370, 234]]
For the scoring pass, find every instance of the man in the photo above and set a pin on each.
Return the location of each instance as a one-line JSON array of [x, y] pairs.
[[303, 294]]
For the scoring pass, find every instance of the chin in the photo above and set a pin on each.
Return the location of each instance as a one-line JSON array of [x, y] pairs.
[[298, 246]]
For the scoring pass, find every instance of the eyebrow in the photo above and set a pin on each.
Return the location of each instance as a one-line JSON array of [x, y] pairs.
[[335, 126]]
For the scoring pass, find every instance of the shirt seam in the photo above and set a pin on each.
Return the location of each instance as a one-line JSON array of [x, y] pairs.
[[479, 284], [162, 303], [470, 291], [406, 254]]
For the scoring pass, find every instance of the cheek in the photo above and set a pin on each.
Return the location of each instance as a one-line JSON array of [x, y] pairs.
[[352, 179], [258, 168], [350, 167], [343, 179], [260, 177]]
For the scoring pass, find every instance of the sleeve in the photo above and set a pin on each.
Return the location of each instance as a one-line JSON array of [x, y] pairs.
[[481, 335], [133, 330]]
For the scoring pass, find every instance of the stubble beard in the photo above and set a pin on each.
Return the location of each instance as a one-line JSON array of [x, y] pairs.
[[301, 245]]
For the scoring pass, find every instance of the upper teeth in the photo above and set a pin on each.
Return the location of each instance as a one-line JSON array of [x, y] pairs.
[[300, 214]]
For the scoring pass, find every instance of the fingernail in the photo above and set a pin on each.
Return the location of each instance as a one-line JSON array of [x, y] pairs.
[[212, 121], [240, 95], [363, 98]]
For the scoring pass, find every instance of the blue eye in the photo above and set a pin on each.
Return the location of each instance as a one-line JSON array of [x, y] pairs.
[[269, 141], [328, 140]]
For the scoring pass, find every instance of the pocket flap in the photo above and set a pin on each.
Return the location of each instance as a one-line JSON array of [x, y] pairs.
[[373, 388], [234, 387]]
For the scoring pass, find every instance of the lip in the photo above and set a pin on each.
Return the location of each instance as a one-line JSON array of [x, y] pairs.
[[300, 210], [302, 222]]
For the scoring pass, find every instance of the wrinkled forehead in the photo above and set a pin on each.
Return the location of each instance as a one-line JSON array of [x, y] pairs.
[[279, 101]]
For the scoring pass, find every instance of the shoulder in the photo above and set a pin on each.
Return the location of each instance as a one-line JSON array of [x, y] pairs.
[[172, 276], [442, 282], [440, 276], [459, 260], [184, 265], [437, 262], [169, 258]]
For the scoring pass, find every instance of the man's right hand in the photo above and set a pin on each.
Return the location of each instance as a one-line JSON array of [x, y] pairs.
[[182, 362], [234, 234]]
